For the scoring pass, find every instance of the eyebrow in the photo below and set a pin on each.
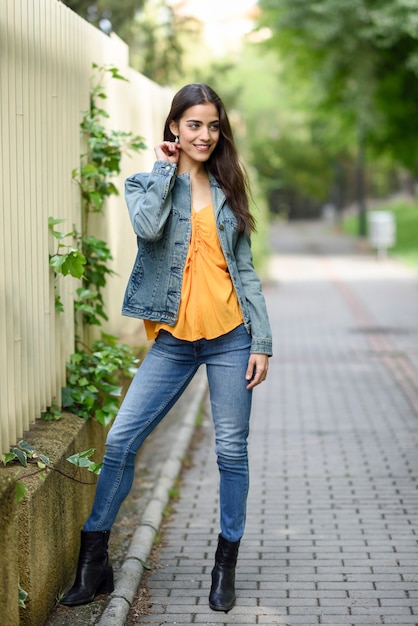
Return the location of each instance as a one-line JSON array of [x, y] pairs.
[[200, 121]]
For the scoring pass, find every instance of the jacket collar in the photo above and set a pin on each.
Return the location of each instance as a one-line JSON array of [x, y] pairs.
[[218, 195], [218, 198]]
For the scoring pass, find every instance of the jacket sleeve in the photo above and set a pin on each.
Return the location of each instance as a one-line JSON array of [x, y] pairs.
[[260, 326], [148, 197]]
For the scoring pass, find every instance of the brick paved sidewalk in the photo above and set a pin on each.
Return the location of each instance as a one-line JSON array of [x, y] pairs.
[[333, 510]]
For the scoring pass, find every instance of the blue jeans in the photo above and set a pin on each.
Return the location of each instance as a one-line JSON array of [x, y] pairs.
[[163, 376]]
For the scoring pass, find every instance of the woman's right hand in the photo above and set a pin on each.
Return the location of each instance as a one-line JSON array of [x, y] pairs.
[[168, 151]]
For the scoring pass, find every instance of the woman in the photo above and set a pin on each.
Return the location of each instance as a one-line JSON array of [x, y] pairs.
[[194, 285]]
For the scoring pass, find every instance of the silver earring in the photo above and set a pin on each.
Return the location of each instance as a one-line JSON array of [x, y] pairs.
[[176, 139]]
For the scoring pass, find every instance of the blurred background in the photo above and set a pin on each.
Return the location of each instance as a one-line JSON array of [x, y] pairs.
[[323, 95]]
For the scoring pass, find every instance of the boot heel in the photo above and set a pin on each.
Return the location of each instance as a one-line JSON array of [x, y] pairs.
[[107, 585]]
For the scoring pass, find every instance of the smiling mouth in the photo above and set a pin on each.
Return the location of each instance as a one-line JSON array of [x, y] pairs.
[[202, 147]]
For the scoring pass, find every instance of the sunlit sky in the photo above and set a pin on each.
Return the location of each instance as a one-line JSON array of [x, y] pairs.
[[216, 10], [226, 21]]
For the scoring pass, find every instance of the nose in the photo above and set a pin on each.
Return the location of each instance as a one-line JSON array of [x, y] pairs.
[[205, 135]]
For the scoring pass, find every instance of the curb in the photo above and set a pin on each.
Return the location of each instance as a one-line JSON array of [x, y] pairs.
[[130, 573]]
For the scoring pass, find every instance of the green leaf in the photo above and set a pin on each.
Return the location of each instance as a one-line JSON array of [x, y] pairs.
[[76, 357], [115, 74], [84, 307], [85, 294], [87, 453], [105, 417], [24, 445], [112, 390], [97, 128], [79, 462], [58, 304], [95, 468], [74, 459], [67, 398], [21, 491], [52, 413], [7, 457], [73, 264], [21, 456], [112, 189], [96, 199], [81, 459], [57, 261], [89, 170], [58, 235], [137, 144], [52, 221], [22, 597]]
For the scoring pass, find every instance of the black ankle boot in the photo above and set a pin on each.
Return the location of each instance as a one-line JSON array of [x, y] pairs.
[[94, 571], [222, 593]]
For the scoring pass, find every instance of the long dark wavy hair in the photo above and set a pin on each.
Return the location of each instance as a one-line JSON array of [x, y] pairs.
[[224, 163]]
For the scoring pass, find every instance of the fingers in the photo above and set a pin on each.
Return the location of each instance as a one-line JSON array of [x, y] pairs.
[[167, 151], [257, 370]]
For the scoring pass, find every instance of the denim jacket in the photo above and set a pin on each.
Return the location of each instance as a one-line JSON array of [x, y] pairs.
[[159, 206]]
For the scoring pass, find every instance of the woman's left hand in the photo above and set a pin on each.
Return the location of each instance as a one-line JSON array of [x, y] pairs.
[[258, 365]]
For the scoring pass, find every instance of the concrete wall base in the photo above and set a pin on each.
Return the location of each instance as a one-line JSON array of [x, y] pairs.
[[39, 537]]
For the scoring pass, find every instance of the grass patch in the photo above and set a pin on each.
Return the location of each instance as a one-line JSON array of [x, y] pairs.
[[406, 219]]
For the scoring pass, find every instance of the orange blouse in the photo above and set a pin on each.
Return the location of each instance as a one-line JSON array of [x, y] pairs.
[[209, 305]]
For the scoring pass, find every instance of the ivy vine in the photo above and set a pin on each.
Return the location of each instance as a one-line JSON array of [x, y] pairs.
[[92, 387], [86, 256]]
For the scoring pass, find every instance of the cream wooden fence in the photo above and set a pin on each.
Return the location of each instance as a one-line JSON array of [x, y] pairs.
[[46, 57]]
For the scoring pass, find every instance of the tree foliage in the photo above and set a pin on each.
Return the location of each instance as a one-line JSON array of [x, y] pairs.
[[360, 59], [119, 12], [153, 30], [155, 38]]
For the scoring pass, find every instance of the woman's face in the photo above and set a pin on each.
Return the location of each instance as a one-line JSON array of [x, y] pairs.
[[198, 132]]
